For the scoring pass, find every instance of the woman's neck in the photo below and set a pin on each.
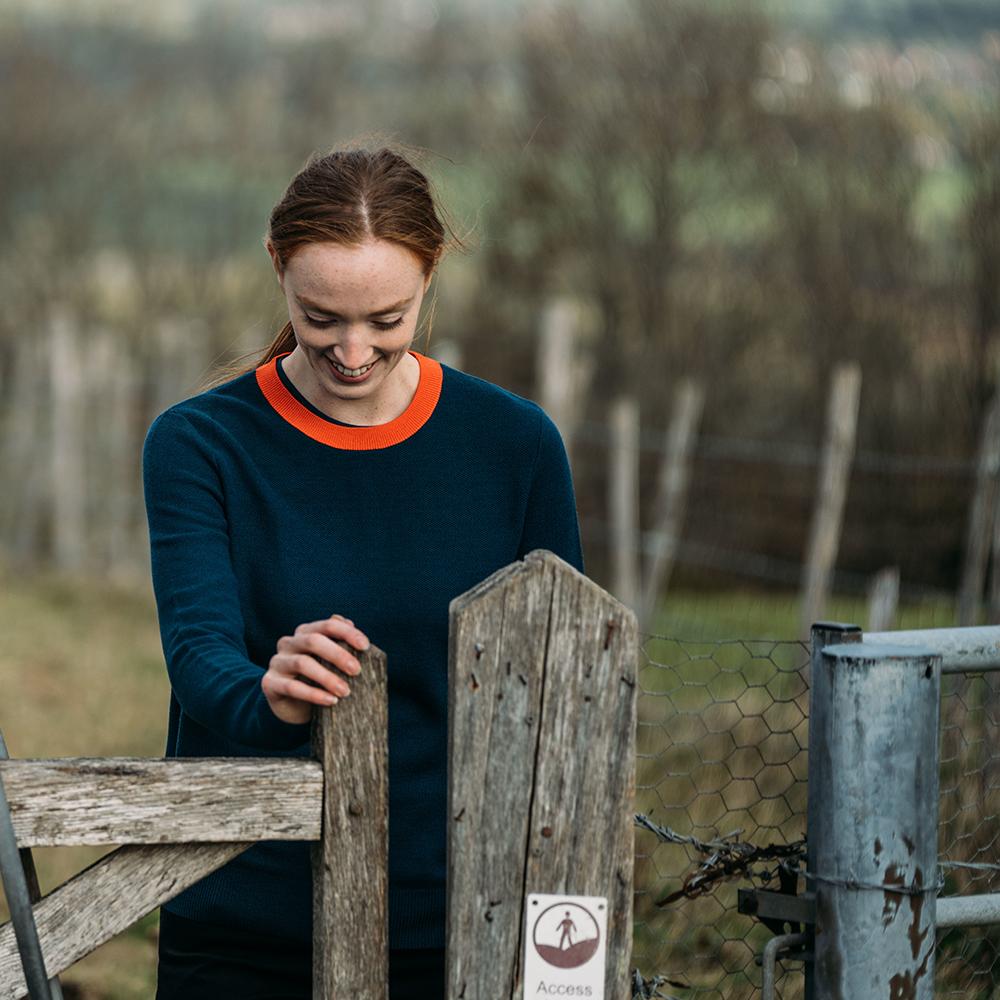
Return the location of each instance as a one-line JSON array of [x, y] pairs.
[[388, 399]]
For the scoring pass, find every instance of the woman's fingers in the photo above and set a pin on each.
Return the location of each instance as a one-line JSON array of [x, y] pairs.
[[322, 647], [292, 700], [318, 638], [301, 671], [292, 664], [339, 627], [305, 666], [306, 692]]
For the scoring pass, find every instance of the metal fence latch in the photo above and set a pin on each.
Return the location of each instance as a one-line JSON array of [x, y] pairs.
[[775, 909]]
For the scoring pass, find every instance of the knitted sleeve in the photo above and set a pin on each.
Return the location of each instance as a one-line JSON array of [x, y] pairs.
[[551, 520], [200, 619]]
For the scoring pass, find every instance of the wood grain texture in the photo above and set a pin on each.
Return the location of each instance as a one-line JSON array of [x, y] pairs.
[[623, 498], [831, 493], [104, 899], [350, 862], [982, 516], [543, 683], [671, 495], [139, 800]]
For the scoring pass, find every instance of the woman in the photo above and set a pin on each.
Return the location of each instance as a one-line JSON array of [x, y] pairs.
[[344, 486]]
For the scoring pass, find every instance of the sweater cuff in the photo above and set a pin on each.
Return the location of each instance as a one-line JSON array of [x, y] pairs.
[[275, 733]]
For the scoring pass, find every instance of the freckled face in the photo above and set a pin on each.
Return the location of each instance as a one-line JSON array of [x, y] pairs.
[[357, 306]]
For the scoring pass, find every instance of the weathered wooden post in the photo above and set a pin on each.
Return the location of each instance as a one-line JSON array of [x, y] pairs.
[[565, 364], [831, 495], [623, 498], [671, 496], [981, 515], [883, 599], [350, 860], [542, 716]]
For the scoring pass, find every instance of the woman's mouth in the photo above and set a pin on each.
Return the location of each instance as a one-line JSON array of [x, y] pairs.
[[351, 375]]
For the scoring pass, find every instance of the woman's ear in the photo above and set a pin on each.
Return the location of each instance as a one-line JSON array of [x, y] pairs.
[[275, 262]]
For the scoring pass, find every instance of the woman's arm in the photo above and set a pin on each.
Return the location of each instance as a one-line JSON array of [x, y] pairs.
[[551, 521], [201, 623]]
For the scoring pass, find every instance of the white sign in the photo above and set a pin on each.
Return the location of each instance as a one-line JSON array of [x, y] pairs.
[[565, 946]]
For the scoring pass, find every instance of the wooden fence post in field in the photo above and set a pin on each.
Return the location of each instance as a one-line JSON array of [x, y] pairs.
[[978, 530], [671, 497], [541, 774], [883, 600], [565, 364], [993, 587], [67, 480], [623, 499], [828, 512], [22, 500], [350, 862]]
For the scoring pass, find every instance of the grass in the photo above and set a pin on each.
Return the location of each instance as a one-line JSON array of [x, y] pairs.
[[750, 614], [82, 674]]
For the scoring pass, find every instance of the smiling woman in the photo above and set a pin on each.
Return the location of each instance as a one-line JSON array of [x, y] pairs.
[[350, 361], [344, 487]]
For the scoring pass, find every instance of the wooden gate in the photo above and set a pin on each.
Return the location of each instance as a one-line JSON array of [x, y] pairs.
[[541, 774]]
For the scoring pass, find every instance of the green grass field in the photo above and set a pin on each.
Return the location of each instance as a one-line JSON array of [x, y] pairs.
[[82, 674]]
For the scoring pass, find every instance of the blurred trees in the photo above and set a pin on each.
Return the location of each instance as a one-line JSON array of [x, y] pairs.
[[632, 124], [981, 224], [721, 198], [842, 183]]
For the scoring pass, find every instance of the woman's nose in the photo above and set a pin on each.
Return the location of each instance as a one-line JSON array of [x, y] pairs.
[[353, 350]]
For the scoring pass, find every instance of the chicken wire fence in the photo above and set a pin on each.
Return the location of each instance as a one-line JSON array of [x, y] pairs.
[[721, 792], [968, 958]]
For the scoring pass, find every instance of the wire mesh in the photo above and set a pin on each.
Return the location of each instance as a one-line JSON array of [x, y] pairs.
[[722, 747], [968, 958]]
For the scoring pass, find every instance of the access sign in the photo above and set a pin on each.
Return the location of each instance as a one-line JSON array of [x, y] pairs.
[[565, 946]]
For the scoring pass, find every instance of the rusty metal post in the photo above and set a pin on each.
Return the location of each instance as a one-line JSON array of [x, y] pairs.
[[873, 820], [823, 634]]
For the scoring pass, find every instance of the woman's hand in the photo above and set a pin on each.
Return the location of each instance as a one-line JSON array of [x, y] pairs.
[[286, 682]]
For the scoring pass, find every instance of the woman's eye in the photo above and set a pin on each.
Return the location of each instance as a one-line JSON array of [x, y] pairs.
[[329, 322]]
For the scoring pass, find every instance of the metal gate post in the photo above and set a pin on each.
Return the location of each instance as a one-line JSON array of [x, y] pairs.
[[823, 634], [873, 818]]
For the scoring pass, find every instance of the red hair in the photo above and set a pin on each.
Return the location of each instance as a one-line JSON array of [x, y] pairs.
[[350, 195]]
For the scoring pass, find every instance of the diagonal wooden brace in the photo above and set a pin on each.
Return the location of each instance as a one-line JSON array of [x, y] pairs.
[[105, 899]]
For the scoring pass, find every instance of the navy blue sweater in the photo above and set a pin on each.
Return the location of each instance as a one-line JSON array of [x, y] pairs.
[[264, 513]]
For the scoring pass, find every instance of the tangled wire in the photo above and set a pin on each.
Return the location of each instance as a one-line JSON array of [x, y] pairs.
[[725, 858]]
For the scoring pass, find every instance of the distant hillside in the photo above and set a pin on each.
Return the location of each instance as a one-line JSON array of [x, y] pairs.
[[902, 20]]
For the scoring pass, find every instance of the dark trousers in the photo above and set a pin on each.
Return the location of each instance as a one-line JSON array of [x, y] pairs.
[[205, 961]]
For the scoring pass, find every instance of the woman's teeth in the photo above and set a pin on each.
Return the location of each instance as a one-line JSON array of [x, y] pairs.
[[353, 372]]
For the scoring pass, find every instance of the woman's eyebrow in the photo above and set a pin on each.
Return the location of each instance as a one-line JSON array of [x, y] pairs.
[[329, 312]]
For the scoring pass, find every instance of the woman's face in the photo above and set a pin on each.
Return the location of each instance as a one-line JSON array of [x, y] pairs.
[[353, 306]]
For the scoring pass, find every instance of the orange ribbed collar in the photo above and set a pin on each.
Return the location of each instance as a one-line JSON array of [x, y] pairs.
[[354, 438]]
